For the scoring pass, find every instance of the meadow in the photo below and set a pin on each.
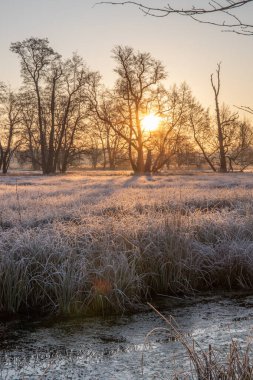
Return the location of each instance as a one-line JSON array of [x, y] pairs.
[[92, 243]]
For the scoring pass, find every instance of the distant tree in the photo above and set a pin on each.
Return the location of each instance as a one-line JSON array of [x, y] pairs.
[[31, 143], [240, 154], [94, 154], [224, 140], [122, 109], [185, 150], [221, 121], [36, 58], [72, 112], [111, 144], [59, 89], [139, 77], [223, 13], [202, 132], [118, 114], [169, 139], [10, 126]]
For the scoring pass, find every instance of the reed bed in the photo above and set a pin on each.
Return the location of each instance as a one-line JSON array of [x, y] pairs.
[[96, 244], [234, 364]]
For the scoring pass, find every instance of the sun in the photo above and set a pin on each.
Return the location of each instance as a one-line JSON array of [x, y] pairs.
[[150, 122]]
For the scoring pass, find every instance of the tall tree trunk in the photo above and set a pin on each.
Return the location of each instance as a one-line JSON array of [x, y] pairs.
[[41, 131], [140, 165], [216, 89], [4, 167], [148, 163], [51, 167], [140, 154]]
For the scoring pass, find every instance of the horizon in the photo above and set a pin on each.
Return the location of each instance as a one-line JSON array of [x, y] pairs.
[[78, 28]]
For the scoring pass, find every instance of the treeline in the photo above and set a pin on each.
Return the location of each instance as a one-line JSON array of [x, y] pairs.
[[63, 113]]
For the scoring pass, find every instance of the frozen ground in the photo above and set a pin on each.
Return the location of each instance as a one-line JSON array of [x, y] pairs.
[[87, 242], [37, 200]]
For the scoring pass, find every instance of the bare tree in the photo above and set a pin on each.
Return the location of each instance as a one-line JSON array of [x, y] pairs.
[[94, 152], [240, 154], [59, 90], [220, 123], [168, 140], [138, 93], [111, 144], [71, 113], [202, 133], [29, 119], [122, 109], [36, 57], [225, 142], [10, 127], [223, 13]]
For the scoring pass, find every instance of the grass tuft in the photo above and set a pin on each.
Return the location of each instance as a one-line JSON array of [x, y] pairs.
[[95, 245]]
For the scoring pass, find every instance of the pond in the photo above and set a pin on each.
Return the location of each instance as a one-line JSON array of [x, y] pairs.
[[115, 347]]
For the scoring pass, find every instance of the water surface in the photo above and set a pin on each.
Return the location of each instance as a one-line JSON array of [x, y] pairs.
[[116, 347]]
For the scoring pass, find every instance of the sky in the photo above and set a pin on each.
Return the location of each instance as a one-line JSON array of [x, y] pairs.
[[190, 51]]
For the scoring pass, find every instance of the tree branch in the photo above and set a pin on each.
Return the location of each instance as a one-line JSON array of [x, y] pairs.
[[231, 23]]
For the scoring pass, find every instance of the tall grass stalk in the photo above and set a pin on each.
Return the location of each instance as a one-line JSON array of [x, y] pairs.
[[210, 364]]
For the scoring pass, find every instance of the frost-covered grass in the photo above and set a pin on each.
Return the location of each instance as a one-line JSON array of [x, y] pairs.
[[88, 243]]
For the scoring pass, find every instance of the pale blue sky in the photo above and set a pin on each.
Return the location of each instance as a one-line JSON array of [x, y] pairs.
[[189, 50]]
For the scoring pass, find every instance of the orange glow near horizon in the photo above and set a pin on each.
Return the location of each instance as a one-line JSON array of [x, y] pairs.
[[150, 122]]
